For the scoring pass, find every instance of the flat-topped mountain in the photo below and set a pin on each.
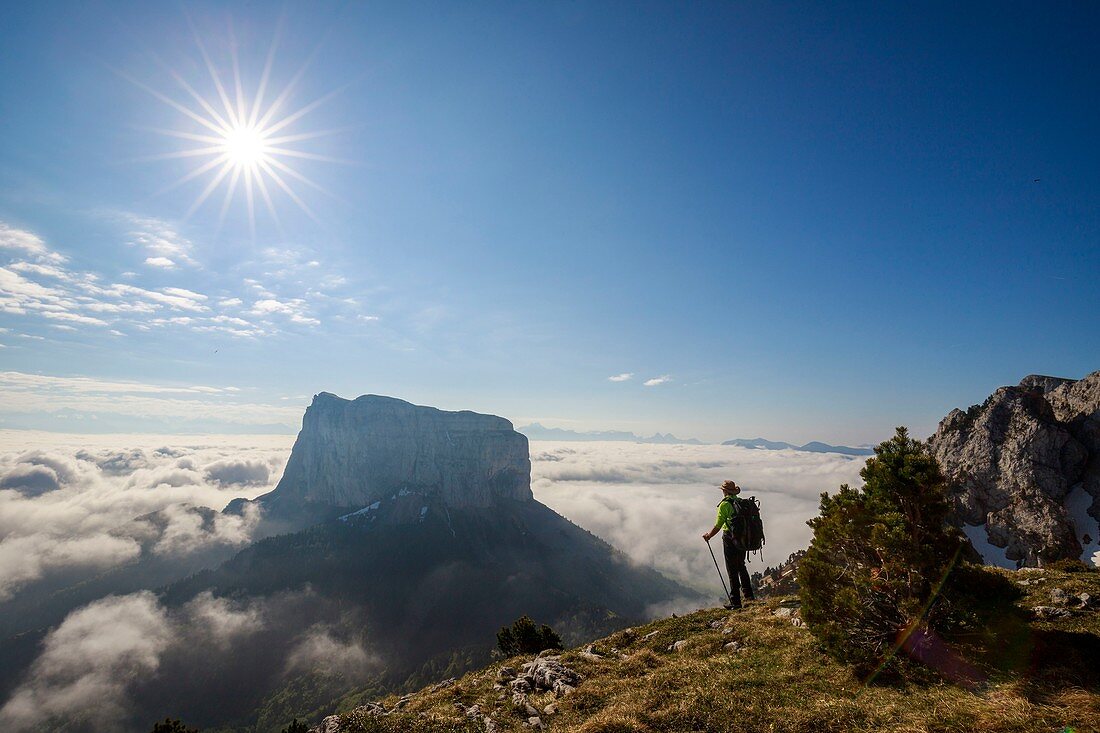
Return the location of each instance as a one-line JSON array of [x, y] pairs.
[[355, 452], [351, 454], [1025, 470]]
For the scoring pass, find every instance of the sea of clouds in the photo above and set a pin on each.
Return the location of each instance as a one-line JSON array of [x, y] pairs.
[[654, 502], [68, 502], [63, 499]]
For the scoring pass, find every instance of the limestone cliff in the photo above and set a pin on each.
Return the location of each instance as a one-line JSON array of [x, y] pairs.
[[1025, 465], [351, 453]]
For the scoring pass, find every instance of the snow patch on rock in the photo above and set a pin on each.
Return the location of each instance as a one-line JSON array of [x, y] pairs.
[[991, 554], [1078, 502]]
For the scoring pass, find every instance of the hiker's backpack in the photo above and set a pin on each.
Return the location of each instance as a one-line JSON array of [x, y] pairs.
[[753, 527], [745, 525]]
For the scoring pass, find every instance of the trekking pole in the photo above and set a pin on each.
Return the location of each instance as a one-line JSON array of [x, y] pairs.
[[729, 598]]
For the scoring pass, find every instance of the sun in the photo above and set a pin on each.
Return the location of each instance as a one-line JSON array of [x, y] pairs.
[[243, 144], [246, 146]]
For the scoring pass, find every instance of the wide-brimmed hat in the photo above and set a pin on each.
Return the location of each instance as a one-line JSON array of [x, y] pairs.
[[730, 486]]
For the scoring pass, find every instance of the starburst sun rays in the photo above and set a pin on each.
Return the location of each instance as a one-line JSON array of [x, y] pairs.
[[242, 145]]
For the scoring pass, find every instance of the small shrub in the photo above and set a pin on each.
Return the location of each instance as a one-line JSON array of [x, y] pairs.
[[171, 725], [878, 557], [296, 726], [523, 637]]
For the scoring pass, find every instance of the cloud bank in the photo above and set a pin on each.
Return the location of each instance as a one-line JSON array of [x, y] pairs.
[[122, 661], [68, 504], [654, 502]]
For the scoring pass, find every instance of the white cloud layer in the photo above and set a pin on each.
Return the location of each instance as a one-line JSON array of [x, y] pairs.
[[63, 499], [655, 501], [663, 379]]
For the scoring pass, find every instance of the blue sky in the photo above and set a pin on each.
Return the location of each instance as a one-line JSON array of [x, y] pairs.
[[805, 222]]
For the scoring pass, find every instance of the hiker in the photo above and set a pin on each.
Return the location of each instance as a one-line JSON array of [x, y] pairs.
[[729, 511]]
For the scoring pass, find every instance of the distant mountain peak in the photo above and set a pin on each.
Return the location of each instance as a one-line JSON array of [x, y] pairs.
[[814, 446]]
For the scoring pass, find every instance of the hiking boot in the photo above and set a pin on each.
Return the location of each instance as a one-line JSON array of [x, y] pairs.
[[732, 606]]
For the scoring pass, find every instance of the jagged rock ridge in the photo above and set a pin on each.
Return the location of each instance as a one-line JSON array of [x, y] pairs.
[[1025, 464]]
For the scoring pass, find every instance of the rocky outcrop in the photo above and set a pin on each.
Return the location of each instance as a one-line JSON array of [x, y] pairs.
[[352, 453], [1018, 463]]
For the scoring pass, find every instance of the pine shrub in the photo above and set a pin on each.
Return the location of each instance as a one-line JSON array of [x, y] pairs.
[[879, 556], [524, 637], [171, 725]]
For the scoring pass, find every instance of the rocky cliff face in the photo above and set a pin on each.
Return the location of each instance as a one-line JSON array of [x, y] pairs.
[[352, 453], [1025, 465]]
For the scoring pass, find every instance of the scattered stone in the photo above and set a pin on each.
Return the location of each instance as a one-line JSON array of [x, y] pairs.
[[331, 724], [716, 624], [551, 709], [442, 685], [677, 645], [651, 634], [373, 708], [1085, 600], [545, 674], [534, 722], [506, 673], [531, 710], [474, 711], [783, 612], [589, 652], [726, 631], [561, 689], [733, 646], [490, 725], [1058, 597], [1049, 612]]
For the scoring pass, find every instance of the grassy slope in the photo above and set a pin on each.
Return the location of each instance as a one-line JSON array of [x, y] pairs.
[[780, 681]]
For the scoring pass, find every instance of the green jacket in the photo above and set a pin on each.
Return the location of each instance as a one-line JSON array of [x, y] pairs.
[[728, 508]]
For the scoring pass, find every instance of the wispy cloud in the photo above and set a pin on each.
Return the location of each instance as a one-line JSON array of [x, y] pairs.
[[294, 309], [159, 239], [28, 243], [43, 395], [663, 379], [625, 376], [46, 288]]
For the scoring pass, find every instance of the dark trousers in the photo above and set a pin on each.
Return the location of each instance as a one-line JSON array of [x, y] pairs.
[[735, 568]]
